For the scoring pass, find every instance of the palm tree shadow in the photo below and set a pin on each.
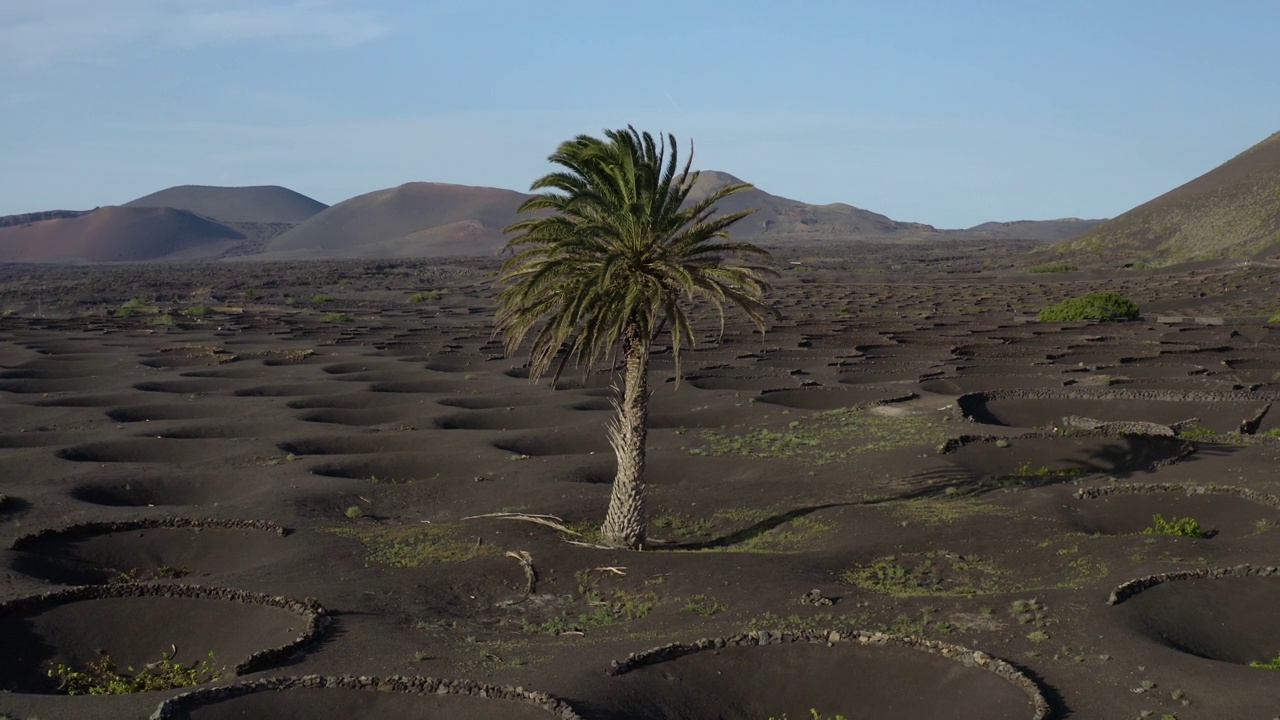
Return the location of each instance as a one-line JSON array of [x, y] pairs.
[[1140, 454], [754, 530], [957, 483]]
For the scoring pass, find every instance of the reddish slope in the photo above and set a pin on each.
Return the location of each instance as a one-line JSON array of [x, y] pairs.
[[117, 234], [412, 220]]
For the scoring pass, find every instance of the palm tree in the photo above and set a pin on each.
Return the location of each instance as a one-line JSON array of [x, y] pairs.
[[605, 263]]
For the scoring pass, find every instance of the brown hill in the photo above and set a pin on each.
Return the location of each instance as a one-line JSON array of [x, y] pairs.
[[1041, 230], [782, 218], [1230, 211], [118, 234], [256, 204], [413, 220]]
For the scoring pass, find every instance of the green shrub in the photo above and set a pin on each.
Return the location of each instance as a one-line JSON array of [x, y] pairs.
[[164, 319], [425, 295], [337, 317], [196, 311], [321, 299], [1052, 268], [136, 306], [1184, 526], [101, 677], [1094, 306]]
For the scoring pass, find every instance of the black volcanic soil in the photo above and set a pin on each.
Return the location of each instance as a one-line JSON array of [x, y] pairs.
[[379, 431]]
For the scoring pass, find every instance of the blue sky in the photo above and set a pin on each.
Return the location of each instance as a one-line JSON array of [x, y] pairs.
[[950, 113]]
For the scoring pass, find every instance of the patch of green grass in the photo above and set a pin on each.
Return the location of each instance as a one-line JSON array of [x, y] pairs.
[[102, 677], [337, 317], [354, 512], [1196, 432], [1052, 268], [826, 437], [197, 311], [703, 605], [415, 545], [1180, 526], [1027, 470], [605, 608], [1272, 664], [318, 299], [936, 572], [162, 320], [1029, 612], [764, 531], [943, 509], [683, 527], [792, 536]]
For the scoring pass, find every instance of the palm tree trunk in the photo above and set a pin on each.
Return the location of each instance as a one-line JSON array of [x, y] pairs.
[[624, 525]]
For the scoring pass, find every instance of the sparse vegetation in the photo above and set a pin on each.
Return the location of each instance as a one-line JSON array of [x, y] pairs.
[[427, 295], [1052, 268], [1181, 526], [415, 545], [337, 317], [1272, 664], [162, 320], [197, 311], [136, 306], [929, 573], [826, 437], [102, 677], [320, 299], [1101, 306], [814, 715], [132, 575], [703, 605]]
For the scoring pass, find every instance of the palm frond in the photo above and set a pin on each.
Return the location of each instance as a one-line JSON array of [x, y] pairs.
[[612, 241]]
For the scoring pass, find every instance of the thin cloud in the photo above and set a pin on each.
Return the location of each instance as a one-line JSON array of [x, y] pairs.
[[38, 34]]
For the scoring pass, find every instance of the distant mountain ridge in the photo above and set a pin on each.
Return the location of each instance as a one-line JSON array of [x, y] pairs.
[[1230, 211], [417, 219], [1044, 230], [250, 204], [28, 218], [779, 217], [118, 234]]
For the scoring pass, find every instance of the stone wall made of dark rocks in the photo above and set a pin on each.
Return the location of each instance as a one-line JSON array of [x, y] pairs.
[[316, 617], [955, 443], [1092, 493], [1137, 585], [101, 528], [969, 658], [416, 685], [965, 404]]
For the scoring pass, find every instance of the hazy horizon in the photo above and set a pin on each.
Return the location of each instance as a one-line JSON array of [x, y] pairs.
[[950, 114]]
